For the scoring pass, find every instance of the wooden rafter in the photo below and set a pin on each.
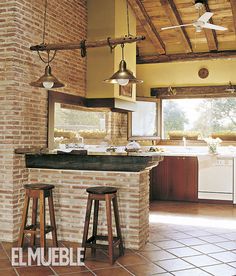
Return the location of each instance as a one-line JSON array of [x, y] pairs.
[[143, 17], [233, 6], [174, 17], [211, 34], [185, 57], [192, 92]]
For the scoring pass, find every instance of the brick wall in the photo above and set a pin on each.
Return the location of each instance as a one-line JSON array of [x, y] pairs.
[[23, 115], [70, 200]]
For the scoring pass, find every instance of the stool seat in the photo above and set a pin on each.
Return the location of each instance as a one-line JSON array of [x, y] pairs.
[[101, 190], [39, 186]]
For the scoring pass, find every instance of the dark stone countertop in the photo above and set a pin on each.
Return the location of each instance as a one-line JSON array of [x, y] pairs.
[[66, 161]]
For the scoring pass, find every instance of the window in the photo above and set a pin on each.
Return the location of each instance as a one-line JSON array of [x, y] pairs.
[[198, 118], [144, 121], [73, 122]]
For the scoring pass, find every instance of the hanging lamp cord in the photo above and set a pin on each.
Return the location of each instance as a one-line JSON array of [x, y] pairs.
[[122, 50], [48, 60], [44, 21], [127, 18]]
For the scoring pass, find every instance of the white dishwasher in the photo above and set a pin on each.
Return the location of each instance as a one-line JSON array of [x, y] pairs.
[[215, 177]]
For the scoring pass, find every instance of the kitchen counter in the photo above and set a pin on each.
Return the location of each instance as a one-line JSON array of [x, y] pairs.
[[72, 174], [97, 162]]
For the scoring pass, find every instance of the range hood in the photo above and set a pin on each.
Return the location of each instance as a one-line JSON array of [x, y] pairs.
[[107, 18]]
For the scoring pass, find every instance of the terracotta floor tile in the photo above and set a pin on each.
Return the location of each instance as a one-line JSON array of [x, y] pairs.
[[153, 237], [131, 259], [168, 244], [193, 272], [201, 260], [3, 255], [150, 247], [183, 252], [191, 241], [68, 269], [230, 236], [224, 256], [8, 246], [35, 271], [178, 235], [232, 264], [198, 233], [213, 239], [163, 274], [112, 271], [5, 264], [173, 265], [8, 272], [221, 269], [208, 248], [159, 255], [145, 269], [82, 273], [94, 264], [229, 245]]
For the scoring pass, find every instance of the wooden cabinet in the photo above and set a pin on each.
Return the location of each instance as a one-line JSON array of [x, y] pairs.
[[175, 178]]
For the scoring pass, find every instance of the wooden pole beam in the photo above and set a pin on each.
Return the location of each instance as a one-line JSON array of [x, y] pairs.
[[88, 44]]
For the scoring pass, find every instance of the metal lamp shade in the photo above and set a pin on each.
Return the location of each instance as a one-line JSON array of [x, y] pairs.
[[47, 77], [123, 74]]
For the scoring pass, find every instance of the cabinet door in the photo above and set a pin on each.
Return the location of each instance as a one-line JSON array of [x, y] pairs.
[[158, 181], [175, 178], [182, 178]]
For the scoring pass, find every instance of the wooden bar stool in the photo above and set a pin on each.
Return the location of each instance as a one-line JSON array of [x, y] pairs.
[[107, 194], [38, 191]]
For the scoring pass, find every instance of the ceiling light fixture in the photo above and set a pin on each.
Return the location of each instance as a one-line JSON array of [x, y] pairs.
[[47, 81], [123, 76]]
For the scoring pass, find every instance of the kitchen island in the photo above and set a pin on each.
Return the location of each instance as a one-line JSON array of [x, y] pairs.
[[73, 174]]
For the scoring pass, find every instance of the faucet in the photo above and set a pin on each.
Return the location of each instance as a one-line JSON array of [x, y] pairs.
[[80, 140], [184, 142]]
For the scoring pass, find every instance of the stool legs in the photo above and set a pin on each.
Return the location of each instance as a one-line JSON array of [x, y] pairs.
[[109, 228], [117, 220], [42, 221], [86, 224], [95, 225], [52, 220], [109, 198], [34, 221], [24, 221]]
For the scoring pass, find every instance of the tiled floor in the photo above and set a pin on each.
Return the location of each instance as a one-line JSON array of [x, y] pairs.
[[186, 239]]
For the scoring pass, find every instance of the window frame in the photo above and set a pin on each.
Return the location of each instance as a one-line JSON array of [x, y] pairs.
[[197, 141], [158, 121]]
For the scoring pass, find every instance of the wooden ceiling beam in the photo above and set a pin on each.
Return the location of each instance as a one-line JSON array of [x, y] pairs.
[[192, 92], [146, 22], [211, 34], [175, 19], [185, 57], [233, 6]]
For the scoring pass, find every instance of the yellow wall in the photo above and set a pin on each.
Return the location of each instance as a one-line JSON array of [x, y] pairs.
[[221, 71], [101, 64]]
